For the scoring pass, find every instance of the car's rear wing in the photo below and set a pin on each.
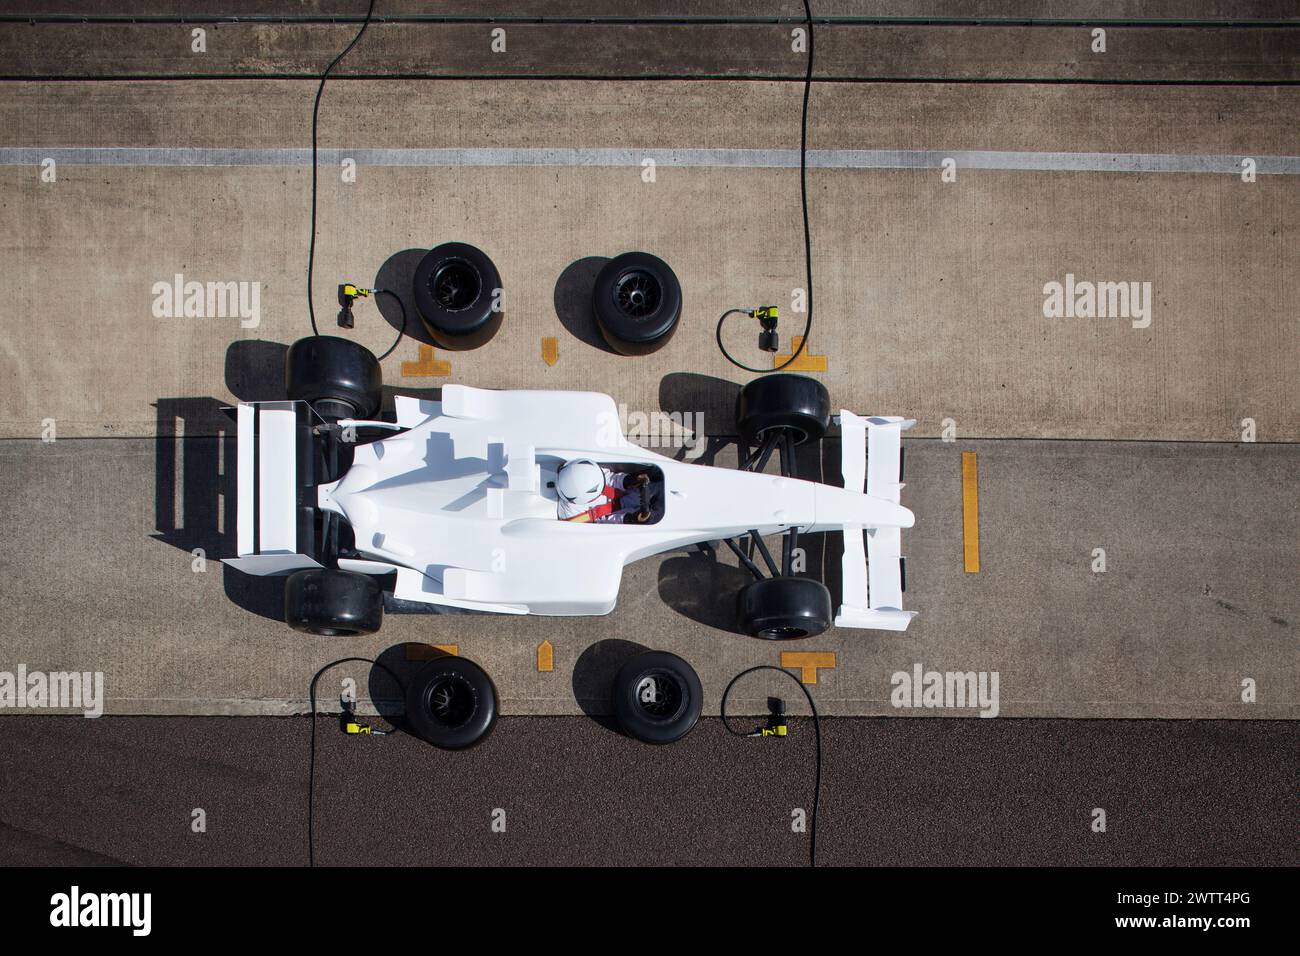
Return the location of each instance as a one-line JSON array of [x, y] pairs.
[[275, 520], [873, 576]]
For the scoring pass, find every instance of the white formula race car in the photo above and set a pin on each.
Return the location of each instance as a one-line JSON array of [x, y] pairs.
[[454, 502]]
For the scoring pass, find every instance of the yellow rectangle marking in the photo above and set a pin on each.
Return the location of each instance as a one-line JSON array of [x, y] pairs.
[[970, 512]]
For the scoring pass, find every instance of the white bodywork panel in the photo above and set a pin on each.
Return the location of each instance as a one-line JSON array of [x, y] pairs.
[[245, 472], [266, 522], [873, 577], [459, 505], [270, 564]]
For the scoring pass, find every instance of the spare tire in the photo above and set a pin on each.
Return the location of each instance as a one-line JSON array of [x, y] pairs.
[[637, 301], [795, 402], [657, 697], [333, 603], [457, 290], [451, 703], [339, 378]]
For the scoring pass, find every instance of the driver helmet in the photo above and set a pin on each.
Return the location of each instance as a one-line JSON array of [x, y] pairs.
[[580, 482]]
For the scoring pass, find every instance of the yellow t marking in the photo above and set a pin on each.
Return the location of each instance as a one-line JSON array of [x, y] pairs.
[[807, 662], [426, 365], [806, 362]]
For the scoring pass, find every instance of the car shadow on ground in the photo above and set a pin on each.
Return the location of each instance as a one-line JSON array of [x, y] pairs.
[[195, 493], [699, 586]]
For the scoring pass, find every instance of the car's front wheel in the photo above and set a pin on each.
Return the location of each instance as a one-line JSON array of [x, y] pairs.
[[784, 608], [796, 403]]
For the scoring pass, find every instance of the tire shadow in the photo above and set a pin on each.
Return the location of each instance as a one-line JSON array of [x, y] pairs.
[[397, 275], [593, 679], [394, 670], [573, 292], [255, 370], [708, 402]]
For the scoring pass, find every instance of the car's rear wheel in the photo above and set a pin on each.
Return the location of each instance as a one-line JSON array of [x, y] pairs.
[[793, 402], [338, 377], [333, 603], [657, 697], [457, 289], [637, 301], [784, 608], [451, 703]]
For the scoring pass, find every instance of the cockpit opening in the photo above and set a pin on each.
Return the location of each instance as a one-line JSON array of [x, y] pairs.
[[590, 492]]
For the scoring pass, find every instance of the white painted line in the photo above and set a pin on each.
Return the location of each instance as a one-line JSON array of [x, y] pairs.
[[742, 158]]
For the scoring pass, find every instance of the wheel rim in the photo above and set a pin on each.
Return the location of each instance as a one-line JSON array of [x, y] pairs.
[[783, 633], [797, 435], [637, 294], [332, 409], [659, 695], [451, 701], [455, 285]]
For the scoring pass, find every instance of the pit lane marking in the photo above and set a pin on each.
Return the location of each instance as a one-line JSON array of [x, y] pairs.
[[704, 157], [806, 362], [426, 365], [807, 663], [550, 350], [970, 512]]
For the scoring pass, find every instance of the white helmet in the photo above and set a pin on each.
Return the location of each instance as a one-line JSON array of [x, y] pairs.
[[580, 482]]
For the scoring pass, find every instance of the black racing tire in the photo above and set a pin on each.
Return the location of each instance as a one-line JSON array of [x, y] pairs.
[[796, 402], [637, 301], [451, 703], [456, 289], [333, 603], [338, 377], [657, 697], [784, 608]]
